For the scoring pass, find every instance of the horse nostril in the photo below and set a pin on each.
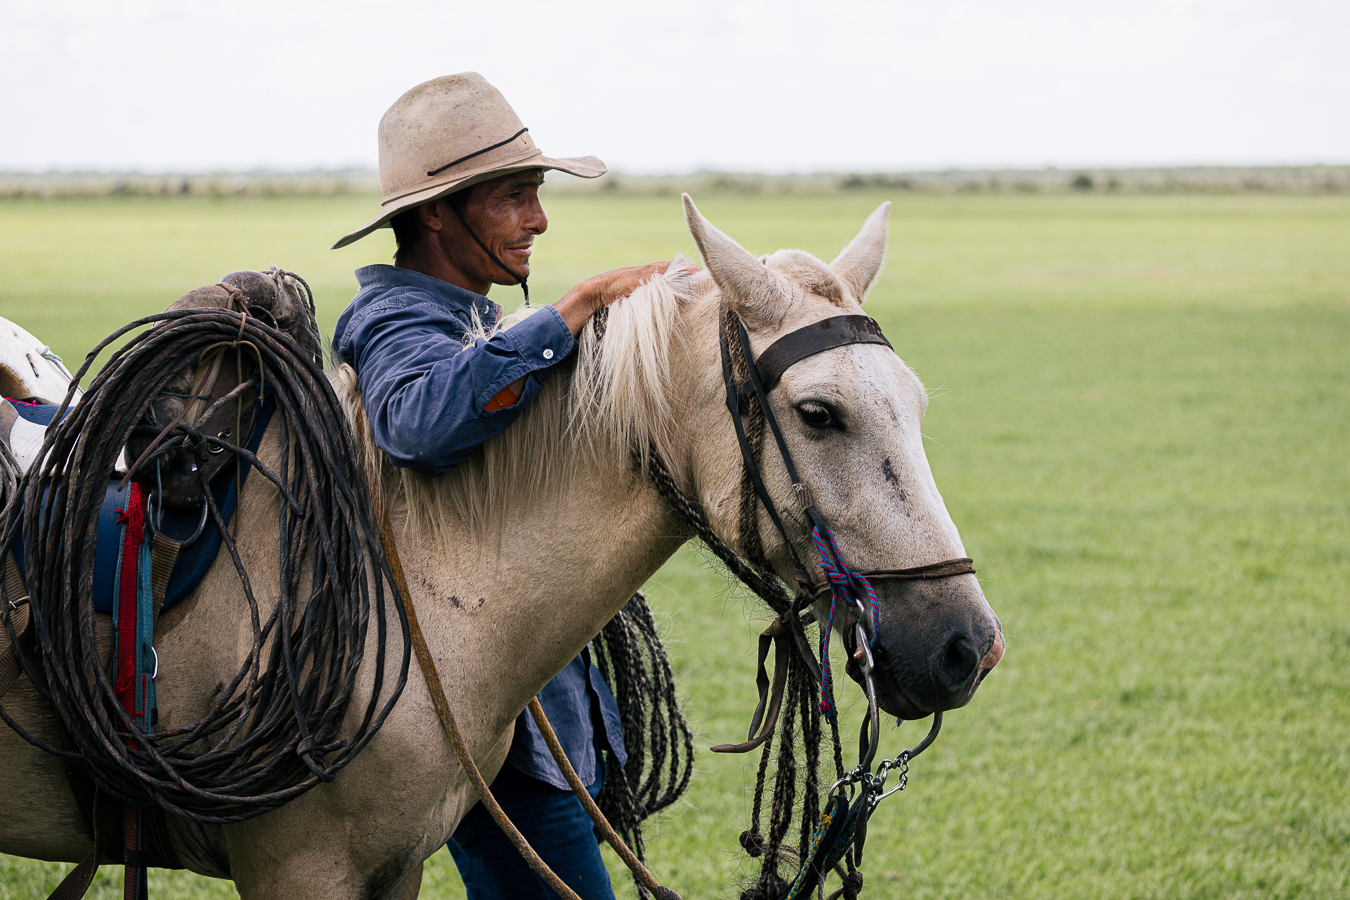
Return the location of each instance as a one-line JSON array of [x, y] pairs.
[[956, 663]]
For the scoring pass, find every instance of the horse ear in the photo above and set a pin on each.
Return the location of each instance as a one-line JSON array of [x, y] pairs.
[[741, 276], [858, 264]]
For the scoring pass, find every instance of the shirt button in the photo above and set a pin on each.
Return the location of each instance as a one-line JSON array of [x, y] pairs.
[[548, 353]]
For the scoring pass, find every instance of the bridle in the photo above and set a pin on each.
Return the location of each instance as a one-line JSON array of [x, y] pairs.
[[840, 830], [748, 382], [753, 381]]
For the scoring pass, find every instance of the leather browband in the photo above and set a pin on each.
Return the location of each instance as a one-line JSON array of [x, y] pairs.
[[817, 337]]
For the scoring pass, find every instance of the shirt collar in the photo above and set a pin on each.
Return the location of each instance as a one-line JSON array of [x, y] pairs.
[[384, 276]]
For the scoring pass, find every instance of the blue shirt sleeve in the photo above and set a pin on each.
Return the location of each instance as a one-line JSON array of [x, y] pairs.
[[425, 391], [585, 718]]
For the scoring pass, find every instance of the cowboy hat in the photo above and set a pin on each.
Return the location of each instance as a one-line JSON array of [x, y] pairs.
[[447, 134]]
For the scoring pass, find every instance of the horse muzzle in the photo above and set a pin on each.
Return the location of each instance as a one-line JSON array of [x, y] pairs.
[[936, 643]]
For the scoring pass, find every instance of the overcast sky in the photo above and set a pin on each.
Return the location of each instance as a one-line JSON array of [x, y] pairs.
[[768, 85]]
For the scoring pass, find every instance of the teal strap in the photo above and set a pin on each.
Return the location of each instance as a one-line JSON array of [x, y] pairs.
[[146, 663]]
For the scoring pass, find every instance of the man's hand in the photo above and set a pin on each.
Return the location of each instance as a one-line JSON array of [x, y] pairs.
[[583, 300]]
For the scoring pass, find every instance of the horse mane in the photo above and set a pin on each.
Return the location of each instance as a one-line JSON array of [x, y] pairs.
[[612, 398]]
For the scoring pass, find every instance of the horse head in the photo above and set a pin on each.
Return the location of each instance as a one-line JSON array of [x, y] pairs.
[[850, 418]]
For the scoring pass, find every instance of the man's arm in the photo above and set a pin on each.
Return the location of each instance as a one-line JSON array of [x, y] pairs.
[[429, 399]]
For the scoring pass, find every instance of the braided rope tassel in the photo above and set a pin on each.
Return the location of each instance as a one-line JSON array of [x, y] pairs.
[[850, 586]]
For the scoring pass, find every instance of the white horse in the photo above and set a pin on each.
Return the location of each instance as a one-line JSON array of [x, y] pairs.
[[520, 556]]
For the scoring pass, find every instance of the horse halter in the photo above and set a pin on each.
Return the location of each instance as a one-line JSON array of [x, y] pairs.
[[853, 587]]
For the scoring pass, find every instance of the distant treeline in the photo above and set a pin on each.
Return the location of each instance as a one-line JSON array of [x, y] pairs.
[[1188, 179]]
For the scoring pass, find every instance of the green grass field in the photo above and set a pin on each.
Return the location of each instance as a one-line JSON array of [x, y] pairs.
[[1140, 419]]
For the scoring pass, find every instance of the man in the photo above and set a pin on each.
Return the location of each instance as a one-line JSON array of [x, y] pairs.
[[460, 180]]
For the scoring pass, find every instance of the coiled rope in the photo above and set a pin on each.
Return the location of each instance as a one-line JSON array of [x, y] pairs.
[[275, 730]]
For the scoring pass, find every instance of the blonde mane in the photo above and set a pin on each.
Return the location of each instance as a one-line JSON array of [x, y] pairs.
[[611, 398]]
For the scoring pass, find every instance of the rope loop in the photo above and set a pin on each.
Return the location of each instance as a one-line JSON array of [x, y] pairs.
[[851, 885]]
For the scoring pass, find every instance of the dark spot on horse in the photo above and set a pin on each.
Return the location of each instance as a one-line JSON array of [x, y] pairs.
[[892, 477], [480, 602], [454, 601]]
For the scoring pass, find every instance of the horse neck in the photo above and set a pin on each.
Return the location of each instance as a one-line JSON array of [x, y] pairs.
[[509, 608]]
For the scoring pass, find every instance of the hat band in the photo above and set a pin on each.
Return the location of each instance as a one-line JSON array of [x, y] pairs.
[[448, 165]]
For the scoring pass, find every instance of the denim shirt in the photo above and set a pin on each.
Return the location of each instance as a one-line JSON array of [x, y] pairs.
[[424, 389]]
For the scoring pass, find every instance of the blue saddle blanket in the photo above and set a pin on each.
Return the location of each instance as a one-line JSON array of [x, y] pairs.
[[195, 558]]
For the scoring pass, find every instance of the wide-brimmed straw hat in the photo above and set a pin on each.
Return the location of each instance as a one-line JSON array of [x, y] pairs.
[[450, 133]]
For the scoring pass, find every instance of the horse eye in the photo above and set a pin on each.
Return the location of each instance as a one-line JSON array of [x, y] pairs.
[[817, 415]]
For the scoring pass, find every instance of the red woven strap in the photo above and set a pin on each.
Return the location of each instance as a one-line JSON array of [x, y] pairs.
[[133, 517]]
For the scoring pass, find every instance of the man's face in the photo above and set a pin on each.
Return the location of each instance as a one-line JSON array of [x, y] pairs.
[[506, 215]]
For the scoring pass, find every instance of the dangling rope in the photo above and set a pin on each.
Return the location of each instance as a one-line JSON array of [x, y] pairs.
[[800, 703], [660, 746]]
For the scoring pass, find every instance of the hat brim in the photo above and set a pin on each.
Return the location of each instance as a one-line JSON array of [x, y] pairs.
[[581, 166]]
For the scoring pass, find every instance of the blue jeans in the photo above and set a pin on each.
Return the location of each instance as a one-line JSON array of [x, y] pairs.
[[556, 826]]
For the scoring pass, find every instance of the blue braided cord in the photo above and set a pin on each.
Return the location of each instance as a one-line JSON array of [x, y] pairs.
[[47, 354], [822, 858], [849, 586], [826, 679], [843, 580]]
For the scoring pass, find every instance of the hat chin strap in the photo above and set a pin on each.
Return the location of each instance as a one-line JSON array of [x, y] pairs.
[[520, 279]]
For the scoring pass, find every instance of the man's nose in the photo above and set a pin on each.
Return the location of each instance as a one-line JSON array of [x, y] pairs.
[[537, 221]]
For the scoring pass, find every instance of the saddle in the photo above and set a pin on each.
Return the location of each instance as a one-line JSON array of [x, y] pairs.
[[220, 396]]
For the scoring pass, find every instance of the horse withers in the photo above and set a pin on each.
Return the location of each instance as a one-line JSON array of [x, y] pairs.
[[516, 559]]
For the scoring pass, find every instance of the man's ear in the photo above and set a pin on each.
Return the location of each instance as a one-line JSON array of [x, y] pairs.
[[432, 215]]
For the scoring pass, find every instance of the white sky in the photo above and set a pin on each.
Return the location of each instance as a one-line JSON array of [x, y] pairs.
[[768, 85]]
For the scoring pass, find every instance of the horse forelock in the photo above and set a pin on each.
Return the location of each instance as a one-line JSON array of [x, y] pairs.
[[808, 273]]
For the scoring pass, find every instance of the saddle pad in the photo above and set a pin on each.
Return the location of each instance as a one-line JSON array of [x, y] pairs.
[[194, 560]]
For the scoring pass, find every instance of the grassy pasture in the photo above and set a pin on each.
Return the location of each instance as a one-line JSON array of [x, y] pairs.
[[1140, 414]]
